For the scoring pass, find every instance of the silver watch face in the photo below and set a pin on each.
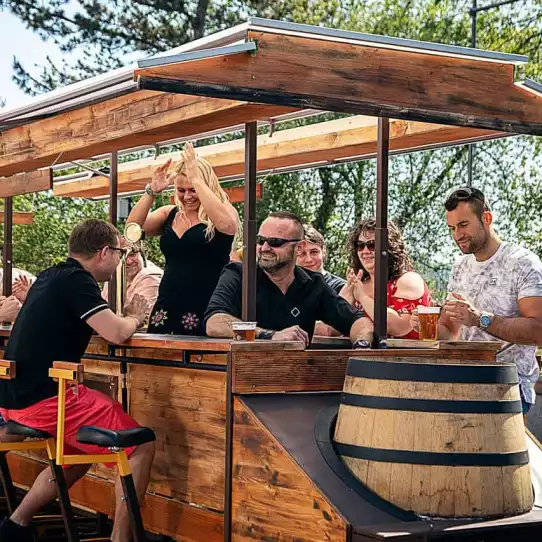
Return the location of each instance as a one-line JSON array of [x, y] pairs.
[[132, 232], [485, 320]]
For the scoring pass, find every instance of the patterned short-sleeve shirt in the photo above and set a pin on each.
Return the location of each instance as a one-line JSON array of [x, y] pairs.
[[496, 285]]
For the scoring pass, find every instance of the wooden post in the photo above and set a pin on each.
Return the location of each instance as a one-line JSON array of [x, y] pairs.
[[250, 225], [381, 250], [113, 213], [7, 252]]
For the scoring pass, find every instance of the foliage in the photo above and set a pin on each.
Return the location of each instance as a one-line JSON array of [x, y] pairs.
[[45, 242]]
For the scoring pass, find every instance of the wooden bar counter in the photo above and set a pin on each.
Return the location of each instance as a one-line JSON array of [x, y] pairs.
[[219, 458]]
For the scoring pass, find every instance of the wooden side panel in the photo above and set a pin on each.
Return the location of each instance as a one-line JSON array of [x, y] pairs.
[[160, 515], [321, 370], [26, 183], [187, 410], [273, 499]]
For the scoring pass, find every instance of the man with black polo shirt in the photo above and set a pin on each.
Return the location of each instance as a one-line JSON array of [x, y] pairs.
[[55, 324], [289, 299]]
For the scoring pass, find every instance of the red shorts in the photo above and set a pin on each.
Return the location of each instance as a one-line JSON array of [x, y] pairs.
[[87, 407]]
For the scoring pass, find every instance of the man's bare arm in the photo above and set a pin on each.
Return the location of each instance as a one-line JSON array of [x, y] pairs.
[[526, 329], [114, 329], [362, 329], [219, 325]]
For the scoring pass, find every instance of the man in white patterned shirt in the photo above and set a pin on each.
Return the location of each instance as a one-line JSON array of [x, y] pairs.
[[495, 289]]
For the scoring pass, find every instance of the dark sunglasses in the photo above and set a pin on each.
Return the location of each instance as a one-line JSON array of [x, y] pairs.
[[361, 245], [464, 194], [274, 242]]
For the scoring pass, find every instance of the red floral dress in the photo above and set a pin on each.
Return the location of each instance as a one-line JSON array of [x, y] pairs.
[[404, 306]]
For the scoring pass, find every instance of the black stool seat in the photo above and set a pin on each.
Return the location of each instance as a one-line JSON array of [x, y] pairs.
[[14, 428], [123, 438]]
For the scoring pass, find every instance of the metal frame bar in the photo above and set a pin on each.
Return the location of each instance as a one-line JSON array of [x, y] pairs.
[[246, 47], [228, 460], [7, 250], [381, 233], [113, 218], [92, 170], [250, 225]]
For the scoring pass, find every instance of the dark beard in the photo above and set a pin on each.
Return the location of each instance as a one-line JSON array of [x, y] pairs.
[[271, 267]]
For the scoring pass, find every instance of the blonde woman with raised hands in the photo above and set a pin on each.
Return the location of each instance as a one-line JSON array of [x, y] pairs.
[[196, 236]]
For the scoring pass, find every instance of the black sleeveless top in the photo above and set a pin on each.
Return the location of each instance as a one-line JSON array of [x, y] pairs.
[[193, 266]]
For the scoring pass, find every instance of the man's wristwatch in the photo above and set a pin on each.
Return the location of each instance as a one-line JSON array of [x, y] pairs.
[[485, 319], [150, 192], [266, 334]]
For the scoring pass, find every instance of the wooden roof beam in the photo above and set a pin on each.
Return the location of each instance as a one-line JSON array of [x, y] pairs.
[[26, 183], [19, 217], [360, 79], [316, 143], [139, 118]]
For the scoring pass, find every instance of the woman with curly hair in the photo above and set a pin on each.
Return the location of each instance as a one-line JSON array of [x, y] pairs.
[[406, 288], [196, 236]]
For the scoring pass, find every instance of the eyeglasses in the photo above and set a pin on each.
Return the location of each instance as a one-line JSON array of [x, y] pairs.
[[465, 193], [361, 245], [123, 251], [274, 242]]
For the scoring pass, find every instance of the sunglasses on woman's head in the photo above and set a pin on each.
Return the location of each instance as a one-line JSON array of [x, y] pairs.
[[274, 242], [361, 245]]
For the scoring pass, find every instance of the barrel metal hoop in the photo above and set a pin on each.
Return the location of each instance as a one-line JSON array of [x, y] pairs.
[[431, 405], [449, 459], [425, 372]]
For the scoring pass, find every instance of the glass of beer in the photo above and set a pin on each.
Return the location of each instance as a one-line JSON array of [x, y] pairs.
[[428, 317], [244, 331]]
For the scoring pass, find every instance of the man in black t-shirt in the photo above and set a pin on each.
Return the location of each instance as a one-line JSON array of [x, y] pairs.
[[289, 299], [312, 255], [55, 324]]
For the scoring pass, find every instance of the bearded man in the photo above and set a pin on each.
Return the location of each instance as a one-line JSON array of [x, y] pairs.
[[289, 299], [495, 289]]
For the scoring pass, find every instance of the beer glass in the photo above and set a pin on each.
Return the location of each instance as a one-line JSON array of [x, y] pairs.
[[244, 331], [428, 317]]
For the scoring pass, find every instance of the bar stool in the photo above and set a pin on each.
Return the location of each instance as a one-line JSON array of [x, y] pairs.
[[116, 441], [42, 441]]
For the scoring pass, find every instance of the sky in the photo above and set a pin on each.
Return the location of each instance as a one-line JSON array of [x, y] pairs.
[[17, 40]]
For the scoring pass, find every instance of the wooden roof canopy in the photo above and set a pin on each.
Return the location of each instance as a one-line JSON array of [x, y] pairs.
[[263, 70]]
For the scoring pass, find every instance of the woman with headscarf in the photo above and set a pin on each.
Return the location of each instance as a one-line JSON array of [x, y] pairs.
[[196, 236]]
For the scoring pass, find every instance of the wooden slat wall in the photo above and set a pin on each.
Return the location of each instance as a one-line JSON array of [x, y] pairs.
[[187, 410], [160, 515], [273, 499], [321, 370]]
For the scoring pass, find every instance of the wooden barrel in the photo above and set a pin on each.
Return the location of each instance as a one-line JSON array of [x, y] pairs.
[[440, 439]]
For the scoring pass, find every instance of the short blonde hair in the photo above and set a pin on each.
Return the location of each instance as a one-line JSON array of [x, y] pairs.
[[211, 180]]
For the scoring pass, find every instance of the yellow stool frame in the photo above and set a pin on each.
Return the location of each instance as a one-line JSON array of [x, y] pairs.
[[72, 374], [8, 372]]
